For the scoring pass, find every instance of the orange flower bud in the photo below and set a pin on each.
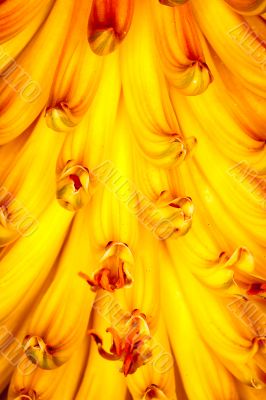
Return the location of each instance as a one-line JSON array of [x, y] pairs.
[[109, 23]]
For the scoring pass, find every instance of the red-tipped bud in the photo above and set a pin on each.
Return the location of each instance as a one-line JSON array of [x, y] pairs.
[[109, 23]]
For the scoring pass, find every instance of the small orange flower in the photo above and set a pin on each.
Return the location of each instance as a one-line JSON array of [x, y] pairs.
[[130, 342]]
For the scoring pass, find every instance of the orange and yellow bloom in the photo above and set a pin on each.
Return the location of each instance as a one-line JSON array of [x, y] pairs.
[[132, 199]]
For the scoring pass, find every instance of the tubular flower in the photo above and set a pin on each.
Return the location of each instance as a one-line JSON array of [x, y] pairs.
[[59, 118], [73, 186], [130, 342], [132, 200], [184, 61], [109, 23], [114, 271], [175, 213]]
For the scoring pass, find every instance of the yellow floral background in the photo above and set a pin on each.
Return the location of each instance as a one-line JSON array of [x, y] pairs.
[[132, 199]]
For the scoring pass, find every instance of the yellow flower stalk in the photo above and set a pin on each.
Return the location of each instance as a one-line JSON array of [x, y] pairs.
[[183, 58], [140, 295], [243, 55], [20, 217], [114, 382], [58, 323], [156, 379], [32, 96], [71, 97], [132, 200], [30, 255], [196, 362]]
